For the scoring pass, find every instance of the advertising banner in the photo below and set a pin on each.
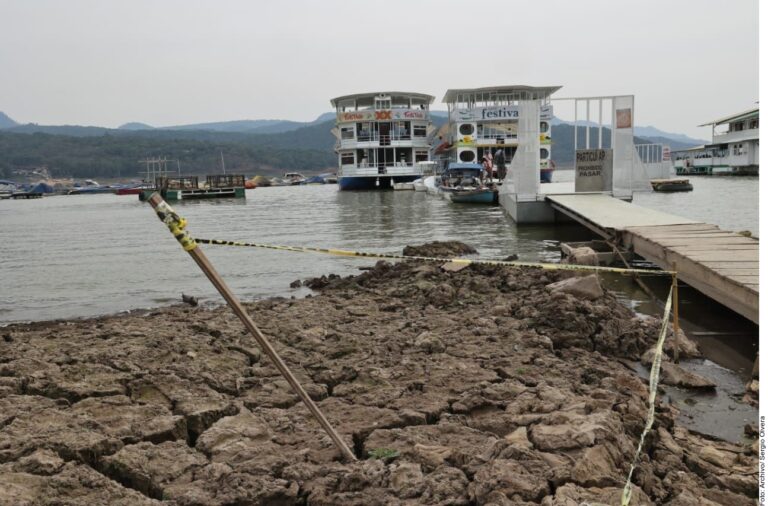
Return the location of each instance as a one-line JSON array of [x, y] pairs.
[[381, 115]]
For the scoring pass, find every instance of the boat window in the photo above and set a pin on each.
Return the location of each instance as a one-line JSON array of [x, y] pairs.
[[467, 156], [419, 130], [347, 158], [543, 126], [347, 132], [422, 156], [466, 129], [383, 103], [543, 153]]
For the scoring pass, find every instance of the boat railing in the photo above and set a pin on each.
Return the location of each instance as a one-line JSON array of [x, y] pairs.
[[496, 135]]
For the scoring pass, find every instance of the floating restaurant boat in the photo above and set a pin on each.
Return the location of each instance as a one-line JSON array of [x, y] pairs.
[[187, 187], [484, 121], [381, 138]]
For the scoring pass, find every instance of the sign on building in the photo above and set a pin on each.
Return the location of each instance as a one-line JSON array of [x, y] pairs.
[[594, 170]]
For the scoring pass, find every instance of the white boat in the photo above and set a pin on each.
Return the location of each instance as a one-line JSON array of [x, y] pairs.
[[293, 178], [382, 138], [419, 186]]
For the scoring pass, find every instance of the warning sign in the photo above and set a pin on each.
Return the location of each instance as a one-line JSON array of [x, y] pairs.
[[594, 170]]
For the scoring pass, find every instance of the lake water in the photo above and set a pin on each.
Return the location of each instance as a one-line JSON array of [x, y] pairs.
[[86, 255]]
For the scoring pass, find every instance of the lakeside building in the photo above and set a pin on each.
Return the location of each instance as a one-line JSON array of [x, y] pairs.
[[735, 148], [482, 121], [382, 138]]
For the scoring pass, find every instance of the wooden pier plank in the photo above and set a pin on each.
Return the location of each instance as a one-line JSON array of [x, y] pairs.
[[721, 264]]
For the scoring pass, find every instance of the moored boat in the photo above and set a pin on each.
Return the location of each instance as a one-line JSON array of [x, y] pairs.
[[293, 178], [671, 185], [382, 138], [483, 122], [462, 183]]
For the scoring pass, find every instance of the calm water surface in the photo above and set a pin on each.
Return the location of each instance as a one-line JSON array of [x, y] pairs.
[[85, 255]]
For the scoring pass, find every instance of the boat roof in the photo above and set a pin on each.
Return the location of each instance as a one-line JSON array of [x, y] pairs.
[[750, 113], [538, 91], [464, 166], [427, 98]]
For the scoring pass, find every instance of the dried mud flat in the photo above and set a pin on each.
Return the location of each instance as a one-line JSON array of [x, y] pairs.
[[474, 387]]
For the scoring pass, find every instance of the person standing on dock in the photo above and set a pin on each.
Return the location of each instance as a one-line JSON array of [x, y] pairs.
[[488, 166], [501, 164]]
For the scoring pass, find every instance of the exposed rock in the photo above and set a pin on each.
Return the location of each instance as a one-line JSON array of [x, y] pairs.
[[429, 342], [480, 386], [587, 287], [439, 249], [673, 374], [150, 468], [41, 461], [582, 256]]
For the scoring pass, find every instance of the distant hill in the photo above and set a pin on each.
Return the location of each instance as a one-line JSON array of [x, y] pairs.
[[650, 132], [5, 121], [250, 146], [647, 132], [135, 126]]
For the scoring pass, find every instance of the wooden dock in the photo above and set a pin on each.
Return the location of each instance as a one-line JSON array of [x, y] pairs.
[[720, 264]]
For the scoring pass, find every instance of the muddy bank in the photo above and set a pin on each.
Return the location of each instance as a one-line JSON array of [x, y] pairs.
[[481, 386]]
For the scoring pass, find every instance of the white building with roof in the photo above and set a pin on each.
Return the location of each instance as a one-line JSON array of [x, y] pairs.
[[735, 147]]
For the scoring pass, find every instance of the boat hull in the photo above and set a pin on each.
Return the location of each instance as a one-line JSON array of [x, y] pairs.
[[370, 183], [473, 197]]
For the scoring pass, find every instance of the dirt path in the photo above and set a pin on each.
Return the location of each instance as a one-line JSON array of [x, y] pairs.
[[473, 387]]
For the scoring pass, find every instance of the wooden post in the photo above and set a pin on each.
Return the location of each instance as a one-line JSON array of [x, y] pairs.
[[676, 342], [176, 225]]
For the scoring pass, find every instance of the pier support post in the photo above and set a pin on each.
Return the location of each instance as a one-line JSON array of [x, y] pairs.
[[676, 340]]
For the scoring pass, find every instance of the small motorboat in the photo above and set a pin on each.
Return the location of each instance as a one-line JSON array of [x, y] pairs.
[[482, 195], [461, 184], [671, 185], [293, 178]]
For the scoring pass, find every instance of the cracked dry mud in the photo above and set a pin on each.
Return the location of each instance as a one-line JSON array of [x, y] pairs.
[[474, 387]]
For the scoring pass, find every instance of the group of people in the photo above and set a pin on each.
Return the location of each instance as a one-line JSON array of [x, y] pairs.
[[499, 160]]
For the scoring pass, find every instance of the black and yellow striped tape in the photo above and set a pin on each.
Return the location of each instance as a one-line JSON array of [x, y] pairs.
[[350, 253]]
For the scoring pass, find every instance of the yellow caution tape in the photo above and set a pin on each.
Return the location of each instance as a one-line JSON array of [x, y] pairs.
[[653, 383], [349, 253], [176, 224]]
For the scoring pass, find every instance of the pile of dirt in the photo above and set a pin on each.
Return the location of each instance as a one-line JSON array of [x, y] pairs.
[[439, 249], [482, 386]]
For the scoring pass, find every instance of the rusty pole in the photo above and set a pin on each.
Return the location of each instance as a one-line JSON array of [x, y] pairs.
[[176, 224]]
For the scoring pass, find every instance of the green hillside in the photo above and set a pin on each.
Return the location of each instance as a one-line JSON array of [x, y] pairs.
[[100, 152]]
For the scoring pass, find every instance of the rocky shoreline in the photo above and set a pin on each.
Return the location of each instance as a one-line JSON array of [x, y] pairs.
[[476, 385]]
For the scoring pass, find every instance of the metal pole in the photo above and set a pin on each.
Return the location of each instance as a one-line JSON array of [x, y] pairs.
[[176, 225], [600, 131], [588, 146], [575, 125], [675, 313]]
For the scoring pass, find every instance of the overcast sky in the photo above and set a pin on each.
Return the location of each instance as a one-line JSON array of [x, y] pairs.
[[99, 62]]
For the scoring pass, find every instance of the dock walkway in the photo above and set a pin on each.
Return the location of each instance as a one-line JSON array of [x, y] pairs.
[[722, 265]]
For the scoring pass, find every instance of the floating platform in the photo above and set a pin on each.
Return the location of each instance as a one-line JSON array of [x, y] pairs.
[[27, 195], [671, 185], [722, 265]]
